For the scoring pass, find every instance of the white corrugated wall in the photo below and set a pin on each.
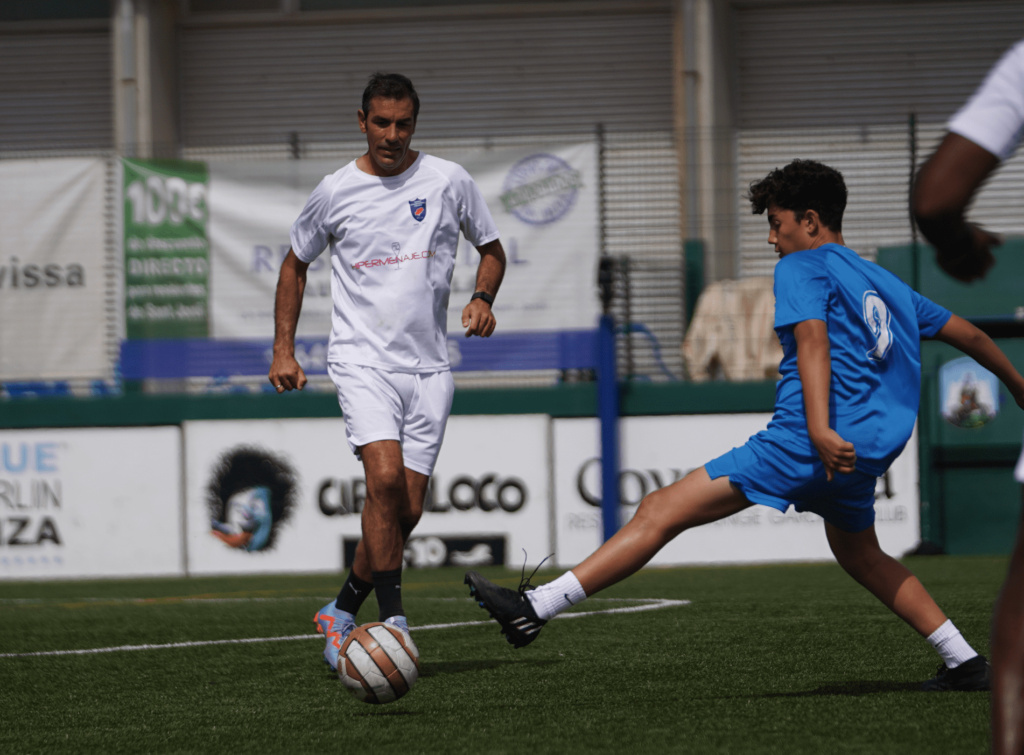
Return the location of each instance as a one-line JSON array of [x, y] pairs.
[[839, 82], [56, 89], [477, 76]]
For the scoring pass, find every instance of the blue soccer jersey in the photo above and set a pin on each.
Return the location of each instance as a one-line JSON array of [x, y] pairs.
[[875, 324]]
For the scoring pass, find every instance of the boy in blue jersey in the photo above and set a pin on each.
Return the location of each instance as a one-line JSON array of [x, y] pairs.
[[845, 407]]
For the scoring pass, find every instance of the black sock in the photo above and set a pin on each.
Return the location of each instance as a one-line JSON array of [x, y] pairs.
[[353, 593], [388, 586]]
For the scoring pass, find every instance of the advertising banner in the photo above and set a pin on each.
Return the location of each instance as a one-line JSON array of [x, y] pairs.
[[281, 496], [969, 393], [54, 285], [90, 503], [545, 205], [657, 451], [544, 202], [166, 251], [252, 206]]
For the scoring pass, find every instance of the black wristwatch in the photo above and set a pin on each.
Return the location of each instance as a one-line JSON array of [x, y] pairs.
[[485, 296]]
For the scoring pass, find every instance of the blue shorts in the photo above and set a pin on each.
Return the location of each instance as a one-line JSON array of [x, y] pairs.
[[769, 475]]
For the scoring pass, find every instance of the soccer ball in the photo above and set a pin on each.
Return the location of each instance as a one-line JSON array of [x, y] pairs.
[[378, 663]]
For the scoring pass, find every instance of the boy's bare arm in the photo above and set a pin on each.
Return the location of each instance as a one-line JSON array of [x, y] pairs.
[[813, 361], [975, 343]]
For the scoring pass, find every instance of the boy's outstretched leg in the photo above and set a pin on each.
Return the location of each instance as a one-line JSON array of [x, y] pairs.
[[903, 594], [694, 500]]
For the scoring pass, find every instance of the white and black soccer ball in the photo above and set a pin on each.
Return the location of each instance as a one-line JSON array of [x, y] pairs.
[[378, 663]]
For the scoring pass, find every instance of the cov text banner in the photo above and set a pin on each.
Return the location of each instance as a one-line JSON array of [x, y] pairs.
[[657, 451]]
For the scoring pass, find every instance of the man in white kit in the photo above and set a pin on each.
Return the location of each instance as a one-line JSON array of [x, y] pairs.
[[391, 219], [986, 131]]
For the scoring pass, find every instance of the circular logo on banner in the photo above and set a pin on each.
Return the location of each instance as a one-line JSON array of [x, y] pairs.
[[540, 189], [969, 393]]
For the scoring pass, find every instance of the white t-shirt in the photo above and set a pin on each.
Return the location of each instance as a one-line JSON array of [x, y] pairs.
[[993, 117], [393, 242]]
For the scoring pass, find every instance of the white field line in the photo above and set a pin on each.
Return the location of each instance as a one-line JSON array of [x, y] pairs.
[[645, 604], [143, 601]]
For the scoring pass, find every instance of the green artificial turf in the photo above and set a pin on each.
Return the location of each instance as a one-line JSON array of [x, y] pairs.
[[766, 659]]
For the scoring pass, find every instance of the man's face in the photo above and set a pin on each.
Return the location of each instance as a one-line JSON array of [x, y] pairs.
[[389, 127], [786, 233]]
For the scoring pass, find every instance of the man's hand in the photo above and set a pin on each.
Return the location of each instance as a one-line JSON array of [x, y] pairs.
[[478, 319], [286, 374], [836, 454], [970, 259], [942, 192]]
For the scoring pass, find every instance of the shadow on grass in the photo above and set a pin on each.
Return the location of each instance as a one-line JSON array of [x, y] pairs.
[[448, 667], [440, 668], [376, 711], [852, 689], [461, 667]]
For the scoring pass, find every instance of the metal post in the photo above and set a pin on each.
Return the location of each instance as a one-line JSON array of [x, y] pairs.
[[126, 80], [915, 248], [608, 401]]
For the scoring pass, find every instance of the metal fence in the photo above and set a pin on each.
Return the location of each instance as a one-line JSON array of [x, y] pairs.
[[641, 217]]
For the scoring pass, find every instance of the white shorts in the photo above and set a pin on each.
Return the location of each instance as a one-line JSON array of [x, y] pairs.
[[1018, 472], [411, 408]]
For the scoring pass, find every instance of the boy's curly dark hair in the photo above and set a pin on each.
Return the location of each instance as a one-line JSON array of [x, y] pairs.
[[800, 186]]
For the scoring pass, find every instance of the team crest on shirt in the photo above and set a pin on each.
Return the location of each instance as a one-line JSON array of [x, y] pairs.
[[418, 208]]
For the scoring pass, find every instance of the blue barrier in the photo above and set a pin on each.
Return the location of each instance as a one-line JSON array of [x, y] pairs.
[[208, 357]]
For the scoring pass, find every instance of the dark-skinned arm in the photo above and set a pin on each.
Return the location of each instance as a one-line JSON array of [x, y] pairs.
[[477, 317], [286, 373], [944, 188], [959, 333]]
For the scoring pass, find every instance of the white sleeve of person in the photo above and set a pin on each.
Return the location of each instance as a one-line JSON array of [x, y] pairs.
[[993, 117], [475, 218]]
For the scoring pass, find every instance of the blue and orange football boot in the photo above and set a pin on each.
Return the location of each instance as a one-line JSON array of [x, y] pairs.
[[335, 625]]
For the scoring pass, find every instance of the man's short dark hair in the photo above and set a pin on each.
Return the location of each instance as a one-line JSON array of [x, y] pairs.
[[390, 86], [800, 186]]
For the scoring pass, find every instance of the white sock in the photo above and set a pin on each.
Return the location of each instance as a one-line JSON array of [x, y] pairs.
[[951, 645], [551, 599]]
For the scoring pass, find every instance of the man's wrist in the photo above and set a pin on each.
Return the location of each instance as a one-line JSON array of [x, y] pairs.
[[483, 295], [284, 350]]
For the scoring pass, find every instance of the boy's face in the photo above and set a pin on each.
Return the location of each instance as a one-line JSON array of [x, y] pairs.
[[786, 233]]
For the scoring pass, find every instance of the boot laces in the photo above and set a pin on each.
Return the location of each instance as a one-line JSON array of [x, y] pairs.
[[524, 581]]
